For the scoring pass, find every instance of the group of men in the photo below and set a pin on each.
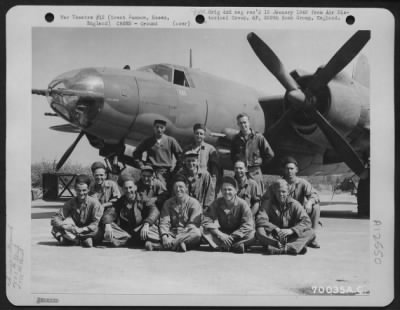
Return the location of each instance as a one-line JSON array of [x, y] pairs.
[[182, 200]]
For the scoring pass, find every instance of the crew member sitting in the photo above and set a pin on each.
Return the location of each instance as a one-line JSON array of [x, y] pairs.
[[228, 223], [248, 189], [282, 224], [180, 219], [150, 188], [200, 184], [131, 219], [77, 221], [106, 191]]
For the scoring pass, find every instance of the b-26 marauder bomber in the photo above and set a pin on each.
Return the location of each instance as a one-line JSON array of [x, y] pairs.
[[323, 118]]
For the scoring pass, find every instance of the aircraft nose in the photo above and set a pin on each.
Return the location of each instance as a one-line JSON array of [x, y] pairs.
[[77, 96]]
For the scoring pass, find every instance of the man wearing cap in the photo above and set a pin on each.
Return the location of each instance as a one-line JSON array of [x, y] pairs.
[[77, 221], [131, 220], [228, 223], [252, 148], [200, 184], [207, 154], [302, 191], [248, 189], [151, 189], [180, 219], [106, 191], [161, 150], [282, 224]]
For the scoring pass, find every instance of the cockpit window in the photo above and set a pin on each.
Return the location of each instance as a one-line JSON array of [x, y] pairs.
[[161, 70], [180, 78]]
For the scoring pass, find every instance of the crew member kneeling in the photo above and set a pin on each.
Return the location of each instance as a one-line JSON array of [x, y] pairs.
[[77, 221], [282, 223], [236, 225]]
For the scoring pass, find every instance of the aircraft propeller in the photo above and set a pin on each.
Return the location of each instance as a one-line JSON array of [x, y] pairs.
[[305, 99]]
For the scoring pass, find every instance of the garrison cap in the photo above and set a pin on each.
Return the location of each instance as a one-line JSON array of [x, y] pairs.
[[160, 121], [230, 180], [180, 178], [191, 154], [97, 165], [199, 126], [147, 168], [289, 160], [126, 177]]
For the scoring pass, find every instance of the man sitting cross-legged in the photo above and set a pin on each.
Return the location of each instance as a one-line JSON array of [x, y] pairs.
[[180, 219], [77, 221], [228, 223], [282, 224], [131, 220]]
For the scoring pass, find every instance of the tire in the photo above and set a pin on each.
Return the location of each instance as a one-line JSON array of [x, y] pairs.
[[363, 197]]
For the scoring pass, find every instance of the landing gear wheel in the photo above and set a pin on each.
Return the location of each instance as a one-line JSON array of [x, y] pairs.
[[363, 199]]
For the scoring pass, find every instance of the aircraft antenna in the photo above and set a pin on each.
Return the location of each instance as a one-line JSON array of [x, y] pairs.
[[190, 58]]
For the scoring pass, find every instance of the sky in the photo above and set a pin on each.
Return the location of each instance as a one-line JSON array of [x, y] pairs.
[[225, 53]]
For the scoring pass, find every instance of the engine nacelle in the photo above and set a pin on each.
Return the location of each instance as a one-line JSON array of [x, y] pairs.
[[345, 104]]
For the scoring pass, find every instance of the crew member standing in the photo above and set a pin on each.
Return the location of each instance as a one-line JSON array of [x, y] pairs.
[[161, 150], [252, 148], [207, 154]]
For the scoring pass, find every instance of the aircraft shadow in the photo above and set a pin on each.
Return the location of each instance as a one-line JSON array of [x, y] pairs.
[[331, 203], [46, 207], [340, 214], [49, 243], [42, 215]]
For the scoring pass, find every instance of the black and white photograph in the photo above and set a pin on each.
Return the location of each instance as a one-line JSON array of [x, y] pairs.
[[210, 156]]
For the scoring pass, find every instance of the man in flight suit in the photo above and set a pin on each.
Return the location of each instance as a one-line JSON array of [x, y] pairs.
[[302, 191], [207, 154], [131, 219], [282, 224], [252, 148], [77, 221], [106, 191], [228, 223], [161, 151]]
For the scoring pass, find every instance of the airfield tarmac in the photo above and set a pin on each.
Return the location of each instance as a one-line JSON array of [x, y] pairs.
[[342, 260]]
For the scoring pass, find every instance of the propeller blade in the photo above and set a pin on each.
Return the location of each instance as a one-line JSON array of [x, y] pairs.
[[69, 151], [340, 60], [339, 143], [66, 128], [271, 61]]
